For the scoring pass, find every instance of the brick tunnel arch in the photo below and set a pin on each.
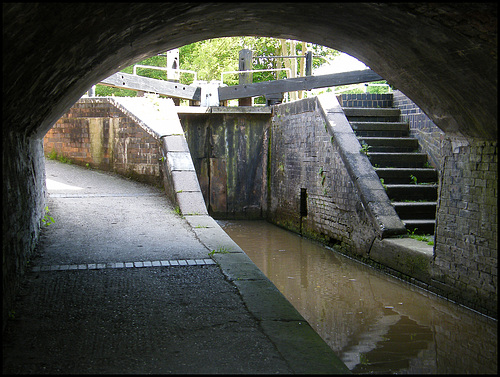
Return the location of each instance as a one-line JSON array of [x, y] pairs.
[[442, 56]]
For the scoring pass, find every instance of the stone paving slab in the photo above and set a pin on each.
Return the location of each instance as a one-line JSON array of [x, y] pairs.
[[136, 320]]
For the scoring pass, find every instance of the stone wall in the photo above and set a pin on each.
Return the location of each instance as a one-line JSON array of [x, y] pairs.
[[23, 171], [229, 152], [310, 189], [98, 135]]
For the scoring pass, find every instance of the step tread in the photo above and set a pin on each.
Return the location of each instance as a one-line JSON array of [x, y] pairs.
[[375, 110], [411, 185], [397, 153], [403, 170], [419, 221], [410, 204], [389, 138], [377, 125]]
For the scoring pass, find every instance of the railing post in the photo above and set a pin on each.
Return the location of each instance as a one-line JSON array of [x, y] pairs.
[[245, 64], [309, 63]]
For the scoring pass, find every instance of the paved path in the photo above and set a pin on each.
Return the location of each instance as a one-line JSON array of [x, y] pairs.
[[123, 284]]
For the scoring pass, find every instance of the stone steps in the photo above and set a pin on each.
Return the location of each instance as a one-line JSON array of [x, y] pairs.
[[403, 175], [416, 211], [364, 114], [380, 129], [410, 184], [398, 159], [389, 144], [399, 192]]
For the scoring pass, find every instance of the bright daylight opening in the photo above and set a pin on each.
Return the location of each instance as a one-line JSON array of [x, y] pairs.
[[220, 62]]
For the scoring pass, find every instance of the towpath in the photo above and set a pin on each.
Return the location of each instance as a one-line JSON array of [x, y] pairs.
[[123, 284]]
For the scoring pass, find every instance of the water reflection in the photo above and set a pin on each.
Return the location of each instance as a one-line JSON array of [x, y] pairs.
[[375, 323]]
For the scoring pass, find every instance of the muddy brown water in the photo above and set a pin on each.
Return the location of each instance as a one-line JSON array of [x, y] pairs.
[[374, 322]]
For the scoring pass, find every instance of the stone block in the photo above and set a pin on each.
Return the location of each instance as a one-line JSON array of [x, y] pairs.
[[406, 255], [191, 203]]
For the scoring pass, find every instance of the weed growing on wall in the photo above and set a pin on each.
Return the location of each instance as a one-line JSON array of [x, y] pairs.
[[47, 219], [364, 148]]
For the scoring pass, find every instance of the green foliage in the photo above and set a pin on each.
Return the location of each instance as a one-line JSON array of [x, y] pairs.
[[360, 89], [211, 57], [413, 179], [53, 155], [383, 183], [220, 250], [364, 148], [47, 219], [420, 237]]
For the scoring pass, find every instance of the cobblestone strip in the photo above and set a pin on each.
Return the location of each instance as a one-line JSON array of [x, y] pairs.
[[141, 264]]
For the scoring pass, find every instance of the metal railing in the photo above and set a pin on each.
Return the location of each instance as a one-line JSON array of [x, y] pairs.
[[363, 86], [165, 69], [255, 70]]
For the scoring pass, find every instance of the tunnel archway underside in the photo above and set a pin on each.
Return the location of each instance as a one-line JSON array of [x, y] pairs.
[[441, 56]]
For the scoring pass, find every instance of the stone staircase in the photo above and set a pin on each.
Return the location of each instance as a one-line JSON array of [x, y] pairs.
[[410, 183]]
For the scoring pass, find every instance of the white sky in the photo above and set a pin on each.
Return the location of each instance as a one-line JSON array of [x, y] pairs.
[[342, 63]]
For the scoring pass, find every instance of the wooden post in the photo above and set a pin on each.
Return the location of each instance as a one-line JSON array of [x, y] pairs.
[[245, 63], [172, 75]]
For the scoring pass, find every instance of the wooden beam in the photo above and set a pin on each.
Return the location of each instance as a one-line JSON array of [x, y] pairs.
[[193, 93], [299, 83], [167, 88]]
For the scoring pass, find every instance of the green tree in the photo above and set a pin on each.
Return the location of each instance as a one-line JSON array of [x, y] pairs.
[[211, 57], [155, 61]]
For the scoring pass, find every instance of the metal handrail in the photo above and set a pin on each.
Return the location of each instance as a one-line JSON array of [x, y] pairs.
[[255, 70], [364, 85], [165, 69]]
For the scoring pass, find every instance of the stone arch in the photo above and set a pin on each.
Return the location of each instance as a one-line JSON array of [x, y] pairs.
[[441, 56]]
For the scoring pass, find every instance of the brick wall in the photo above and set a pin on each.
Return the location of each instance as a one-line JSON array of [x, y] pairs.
[[365, 100], [466, 239], [303, 159], [428, 134], [23, 170], [100, 135]]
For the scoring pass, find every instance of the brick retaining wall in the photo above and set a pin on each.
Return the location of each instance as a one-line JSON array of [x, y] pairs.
[[102, 136]]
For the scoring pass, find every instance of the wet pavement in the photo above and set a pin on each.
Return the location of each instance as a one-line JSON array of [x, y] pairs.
[[121, 283]]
